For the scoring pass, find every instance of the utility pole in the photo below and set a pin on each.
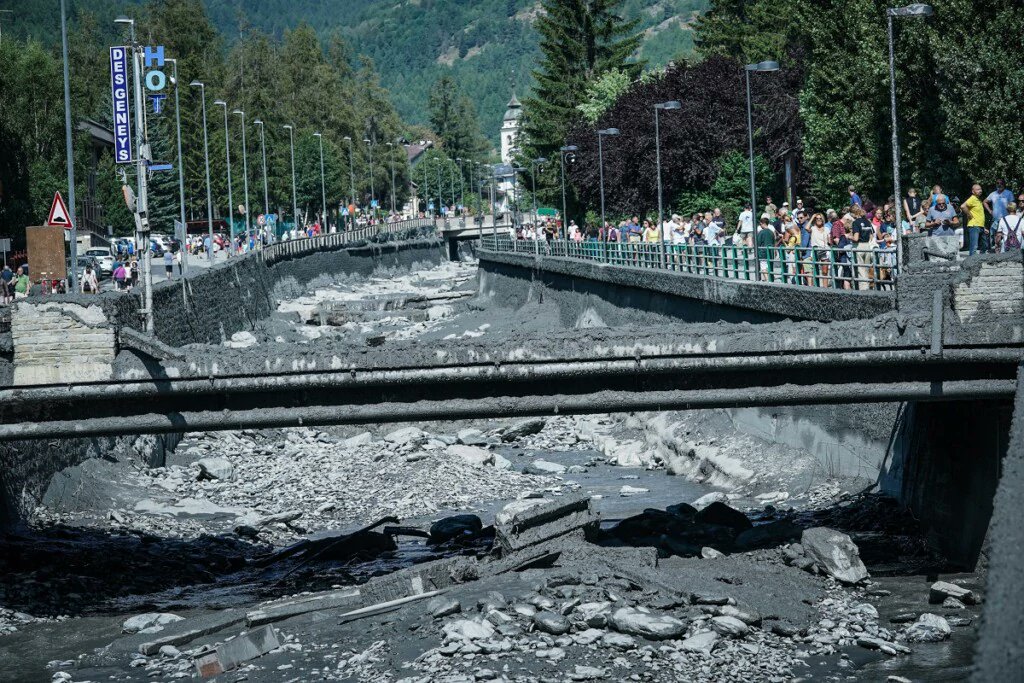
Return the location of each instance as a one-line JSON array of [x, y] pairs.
[[73, 272], [141, 200], [245, 173]]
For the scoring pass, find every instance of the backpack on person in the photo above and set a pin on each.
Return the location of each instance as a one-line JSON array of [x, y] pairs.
[[1012, 240]]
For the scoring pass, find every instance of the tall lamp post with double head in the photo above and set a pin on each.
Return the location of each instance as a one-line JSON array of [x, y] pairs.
[[227, 155], [759, 67], [600, 169], [291, 145], [206, 158], [562, 152], [323, 185], [667, 106], [914, 10], [245, 174]]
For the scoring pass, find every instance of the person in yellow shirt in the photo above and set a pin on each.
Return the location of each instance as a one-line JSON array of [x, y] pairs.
[[974, 210]]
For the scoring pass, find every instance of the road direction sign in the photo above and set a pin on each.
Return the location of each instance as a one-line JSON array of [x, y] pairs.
[[59, 216]]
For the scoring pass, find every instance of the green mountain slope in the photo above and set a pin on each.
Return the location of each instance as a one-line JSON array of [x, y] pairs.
[[488, 45]]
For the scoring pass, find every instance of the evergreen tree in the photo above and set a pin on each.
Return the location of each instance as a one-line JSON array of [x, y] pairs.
[[162, 194], [453, 118], [579, 40]]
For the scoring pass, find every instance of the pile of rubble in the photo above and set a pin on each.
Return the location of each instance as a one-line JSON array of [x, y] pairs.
[[549, 601]]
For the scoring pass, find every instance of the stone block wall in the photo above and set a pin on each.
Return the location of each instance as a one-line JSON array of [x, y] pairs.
[[57, 342], [997, 290]]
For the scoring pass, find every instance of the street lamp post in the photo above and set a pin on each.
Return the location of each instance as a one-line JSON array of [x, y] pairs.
[[671, 104], [451, 182], [245, 174], [373, 191], [567, 149], [533, 179], [181, 170], [760, 67], [462, 185], [323, 186], [600, 169], [515, 194], [227, 154], [914, 10], [206, 158], [391, 157], [291, 143], [352, 184], [266, 192]]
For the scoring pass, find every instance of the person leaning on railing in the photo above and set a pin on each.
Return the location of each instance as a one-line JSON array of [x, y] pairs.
[[864, 239], [820, 255]]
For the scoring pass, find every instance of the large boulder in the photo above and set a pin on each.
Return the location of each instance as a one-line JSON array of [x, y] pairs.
[[407, 435], [523, 428], [723, 515], [650, 626], [216, 467], [768, 535], [472, 455], [929, 628], [834, 553], [457, 526]]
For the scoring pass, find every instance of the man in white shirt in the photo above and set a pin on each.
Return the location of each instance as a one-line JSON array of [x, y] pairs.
[[745, 225], [995, 203]]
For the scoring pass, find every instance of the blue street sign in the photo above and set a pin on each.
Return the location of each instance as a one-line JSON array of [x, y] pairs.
[[430, 206], [374, 204], [122, 114], [160, 167]]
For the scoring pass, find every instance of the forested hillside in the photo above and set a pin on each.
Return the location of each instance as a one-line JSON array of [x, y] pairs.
[[484, 44]]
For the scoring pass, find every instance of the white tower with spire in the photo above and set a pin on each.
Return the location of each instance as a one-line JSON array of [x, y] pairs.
[[510, 128]]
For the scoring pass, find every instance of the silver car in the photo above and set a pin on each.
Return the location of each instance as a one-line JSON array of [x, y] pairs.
[[104, 260]]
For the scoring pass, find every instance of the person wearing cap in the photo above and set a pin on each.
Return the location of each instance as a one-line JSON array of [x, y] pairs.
[[854, 197], [995, 203]]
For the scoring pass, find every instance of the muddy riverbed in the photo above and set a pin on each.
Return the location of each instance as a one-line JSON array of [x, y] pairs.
[[695, 571]]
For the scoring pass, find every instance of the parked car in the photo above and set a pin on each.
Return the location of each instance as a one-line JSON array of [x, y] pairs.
[[156, 248], [103, 259]]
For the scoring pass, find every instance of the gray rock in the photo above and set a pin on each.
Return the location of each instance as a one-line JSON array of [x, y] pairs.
[[169, 651], [215, 467], [748, 615], [149, 620], [650, 626], [550, 622], [702, 642], [941, 590], [442, 607], [619, 641], [710, 599], [472, 455], [709, 553], [835, 553], [953, 603], [959, 621], [471, 437], [587, 673], [709, 498], [929, 628], [358, 440], [407, 435], [523, 428], [544, 467], [501, 462], [730, 627]]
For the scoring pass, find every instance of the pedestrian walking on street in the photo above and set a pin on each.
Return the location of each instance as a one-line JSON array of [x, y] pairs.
[[1009, 236], [134, 275], [169, 264], [90, 285]]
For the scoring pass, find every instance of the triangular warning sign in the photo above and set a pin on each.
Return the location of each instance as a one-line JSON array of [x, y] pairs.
[[59, 215]]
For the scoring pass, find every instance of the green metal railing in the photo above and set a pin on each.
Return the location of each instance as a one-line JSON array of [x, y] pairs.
[[849, 268]]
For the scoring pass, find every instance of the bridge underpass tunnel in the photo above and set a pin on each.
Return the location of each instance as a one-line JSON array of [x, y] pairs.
[[770, 536]]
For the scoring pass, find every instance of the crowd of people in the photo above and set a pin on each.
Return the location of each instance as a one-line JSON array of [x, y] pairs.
[[853, 247]]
